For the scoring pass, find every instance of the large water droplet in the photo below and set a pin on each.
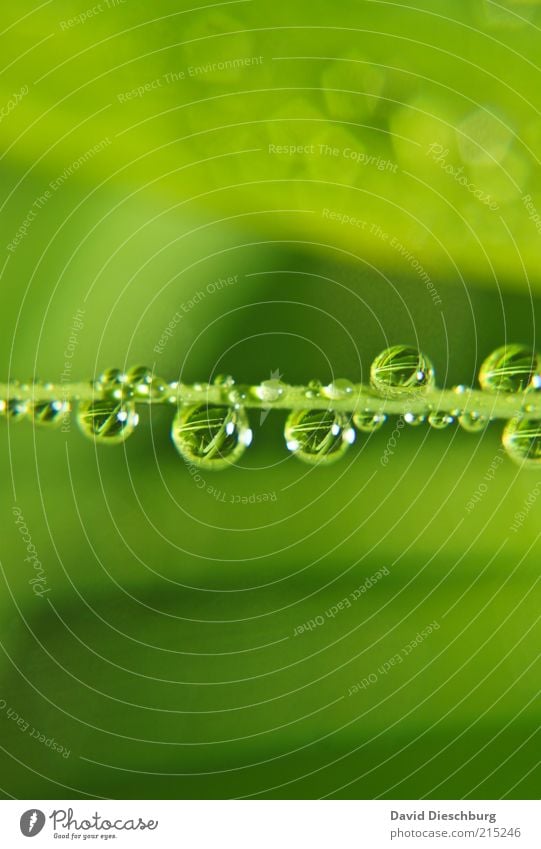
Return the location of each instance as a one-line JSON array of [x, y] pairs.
[[318, 436], [212, 437], [400, 370], [509, 369], [522, 441], [107, 421], [369, 422]]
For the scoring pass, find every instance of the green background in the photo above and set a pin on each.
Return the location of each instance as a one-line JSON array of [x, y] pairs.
[[164, 656]]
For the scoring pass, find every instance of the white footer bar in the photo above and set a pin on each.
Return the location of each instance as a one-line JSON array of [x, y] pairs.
[[272, 824]]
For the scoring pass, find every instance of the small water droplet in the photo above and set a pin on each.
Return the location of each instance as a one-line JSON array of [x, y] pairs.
[[107, 421], [211, 437], [440, 420], [339, 389], [369, 422], [510, 368], [318, 436], [113, 383], [270, 390], [414, 419], [314, 389], [401, 370], [50, 413], [472, 422], [224, 380], [16, 410], [144, 385], [522, 441], [237, 397]]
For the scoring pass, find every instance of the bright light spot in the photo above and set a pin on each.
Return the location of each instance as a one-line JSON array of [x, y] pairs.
[[349, 435]]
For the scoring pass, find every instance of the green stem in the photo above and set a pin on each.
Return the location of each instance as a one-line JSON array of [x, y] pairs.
[[361, 399]]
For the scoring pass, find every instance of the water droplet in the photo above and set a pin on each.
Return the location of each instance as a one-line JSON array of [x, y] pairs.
[[107, 421], [414, 419], [113, 383], [369, 422], [212, 437], [50, 413], [16, 410], [314, 389], [472, 422], [237, 397], [270, 390], [339, 389], [225, 380], [440, 420], [318, 436], [510, 368], [144, 385], [522, 440], [400, 370]]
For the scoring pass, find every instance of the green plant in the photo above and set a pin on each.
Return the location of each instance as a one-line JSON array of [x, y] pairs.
[[211, 427]]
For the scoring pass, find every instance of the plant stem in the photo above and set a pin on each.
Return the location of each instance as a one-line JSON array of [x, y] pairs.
[[361, 399]]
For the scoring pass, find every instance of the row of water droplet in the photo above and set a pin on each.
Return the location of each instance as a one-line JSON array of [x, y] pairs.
[[216, 435]]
